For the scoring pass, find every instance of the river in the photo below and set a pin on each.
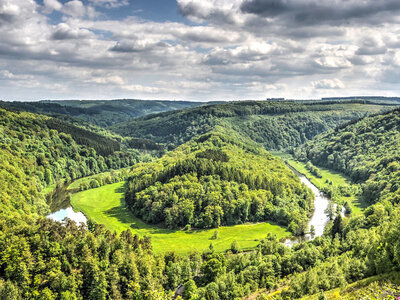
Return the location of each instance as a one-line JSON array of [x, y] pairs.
[[69, 213], [60, 206], [319, 219]]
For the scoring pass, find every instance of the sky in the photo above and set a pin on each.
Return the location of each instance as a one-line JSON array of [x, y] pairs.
[[198, 49]]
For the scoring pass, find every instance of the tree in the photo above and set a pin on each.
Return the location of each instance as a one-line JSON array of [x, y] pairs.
[[189, 290], [337, 227], [215, 235], [211, 269], [235, 248], [312, 230]]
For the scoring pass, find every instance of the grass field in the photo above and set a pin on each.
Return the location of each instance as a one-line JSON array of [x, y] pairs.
[[105, 205], [336, 178]]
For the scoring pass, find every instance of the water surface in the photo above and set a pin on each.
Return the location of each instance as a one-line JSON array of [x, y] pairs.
[[69, 213], [319, 219]]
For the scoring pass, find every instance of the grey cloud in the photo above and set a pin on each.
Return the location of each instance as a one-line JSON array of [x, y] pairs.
[[65, 32], [371, 46], [194, 10], [304, 12], [136, 46], [267, 8]]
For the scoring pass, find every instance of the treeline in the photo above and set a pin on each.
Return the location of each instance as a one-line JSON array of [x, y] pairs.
[[98, 180], [276, 125], [210, 182], [367, 151], [100, 112], [143, 144], [292, 129]]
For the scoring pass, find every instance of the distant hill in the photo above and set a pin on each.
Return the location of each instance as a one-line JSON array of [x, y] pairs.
[[275, 124], [100, 112]]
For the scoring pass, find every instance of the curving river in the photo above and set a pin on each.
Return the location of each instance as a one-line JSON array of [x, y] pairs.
[[319, 218]]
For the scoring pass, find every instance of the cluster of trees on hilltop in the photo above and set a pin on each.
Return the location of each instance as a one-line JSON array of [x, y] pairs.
[[209, 182], [276, 125], [367, 150]]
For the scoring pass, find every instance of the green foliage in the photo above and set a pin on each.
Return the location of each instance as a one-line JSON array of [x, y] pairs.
[[367, 150], [34, 156], [276, 125], [214, 181], [101, 112], [207, 182]]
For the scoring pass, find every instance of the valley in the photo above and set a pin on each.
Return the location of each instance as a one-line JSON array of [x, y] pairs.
[[211, 205]]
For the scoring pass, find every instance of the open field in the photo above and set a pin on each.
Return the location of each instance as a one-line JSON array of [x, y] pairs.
[[334, 176], [106, 205]]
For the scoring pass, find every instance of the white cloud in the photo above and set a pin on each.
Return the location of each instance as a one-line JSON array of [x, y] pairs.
[[230, 54], [74, 8], [51, 5], [328, 84], [110, 3]]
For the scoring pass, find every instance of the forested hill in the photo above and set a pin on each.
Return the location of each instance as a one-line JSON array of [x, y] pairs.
[[276, 125], [100, 112], [214, 180], [368, 150], [37, 151]]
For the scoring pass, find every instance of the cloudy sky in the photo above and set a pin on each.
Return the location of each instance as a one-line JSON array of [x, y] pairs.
[[198, 49]]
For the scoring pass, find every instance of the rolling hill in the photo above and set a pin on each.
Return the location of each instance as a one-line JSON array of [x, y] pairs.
[[276, 125]]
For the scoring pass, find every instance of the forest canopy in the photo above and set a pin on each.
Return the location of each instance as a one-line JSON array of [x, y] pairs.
[[216, 180]]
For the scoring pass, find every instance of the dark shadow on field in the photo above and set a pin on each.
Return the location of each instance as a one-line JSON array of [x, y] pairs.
[[124, 215]]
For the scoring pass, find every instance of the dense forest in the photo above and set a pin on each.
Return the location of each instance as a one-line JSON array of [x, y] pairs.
[[98, 112], [215, 180], [276, 125], [367, 150], [37, 151], [221, 176]]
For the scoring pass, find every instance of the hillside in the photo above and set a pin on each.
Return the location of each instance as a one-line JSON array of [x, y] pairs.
[[367, 150], [100, 112], [214, 180], [37, 151], [276, 125]]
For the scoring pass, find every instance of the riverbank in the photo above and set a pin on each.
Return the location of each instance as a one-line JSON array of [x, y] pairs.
[[327, 175]]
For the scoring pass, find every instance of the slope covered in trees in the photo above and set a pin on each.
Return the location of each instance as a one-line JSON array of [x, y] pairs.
[[276, 125], [215, 180], [367, 150], [100, 112], [37, 151]]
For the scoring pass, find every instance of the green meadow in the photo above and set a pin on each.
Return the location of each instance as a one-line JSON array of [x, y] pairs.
[[106, 205]]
